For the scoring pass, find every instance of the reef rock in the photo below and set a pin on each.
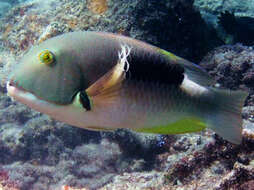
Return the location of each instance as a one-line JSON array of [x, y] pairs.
[[229, 17], [4, 7]]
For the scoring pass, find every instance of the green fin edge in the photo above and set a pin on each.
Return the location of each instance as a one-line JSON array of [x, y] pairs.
[[185, 125], [170, 55], [93, 128]]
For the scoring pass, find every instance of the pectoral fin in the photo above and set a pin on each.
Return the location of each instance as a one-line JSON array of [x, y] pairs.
[[108, 86], [111, 80]]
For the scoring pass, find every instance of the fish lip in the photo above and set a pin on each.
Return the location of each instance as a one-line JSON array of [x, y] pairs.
[[12, 83], [13, 87], [17, 92], [14, 90]]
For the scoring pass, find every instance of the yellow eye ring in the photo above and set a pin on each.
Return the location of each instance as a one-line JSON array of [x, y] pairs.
[[46, 57]]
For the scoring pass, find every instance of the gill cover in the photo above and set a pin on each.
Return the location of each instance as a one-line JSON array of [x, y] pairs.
[[49, 72]]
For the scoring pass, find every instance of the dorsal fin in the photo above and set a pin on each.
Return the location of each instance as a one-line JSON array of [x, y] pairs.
[[197, 74], [193, 71]]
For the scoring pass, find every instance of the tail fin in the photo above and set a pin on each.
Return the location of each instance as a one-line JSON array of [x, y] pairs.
[[226, 119]]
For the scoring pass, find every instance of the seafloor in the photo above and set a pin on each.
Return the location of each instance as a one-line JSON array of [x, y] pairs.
[[39, 153]]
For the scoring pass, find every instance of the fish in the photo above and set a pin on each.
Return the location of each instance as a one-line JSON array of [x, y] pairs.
[[103, 81]]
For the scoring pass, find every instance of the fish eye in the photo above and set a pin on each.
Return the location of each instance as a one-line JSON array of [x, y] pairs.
[[46, 57]]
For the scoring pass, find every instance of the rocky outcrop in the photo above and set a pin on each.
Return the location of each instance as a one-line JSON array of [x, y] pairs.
[[232, 19]]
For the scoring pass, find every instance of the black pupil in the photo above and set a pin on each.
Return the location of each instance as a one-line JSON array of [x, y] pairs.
[[84, 100]]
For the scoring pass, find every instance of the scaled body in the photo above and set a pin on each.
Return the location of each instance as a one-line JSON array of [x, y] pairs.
[[102, 81]]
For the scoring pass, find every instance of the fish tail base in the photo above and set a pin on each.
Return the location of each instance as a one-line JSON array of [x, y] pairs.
[[226, 117]]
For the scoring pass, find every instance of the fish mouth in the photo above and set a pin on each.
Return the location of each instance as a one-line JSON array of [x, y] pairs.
[[20, 94], [70, 113], [14, 88], [17, 92]]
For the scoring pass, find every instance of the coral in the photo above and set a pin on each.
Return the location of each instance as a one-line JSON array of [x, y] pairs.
[[66, 187], [52, 30], [139, 181], [232, 67], [4, 7], [234, 26], [170, 20], [175, 29], [97, 6], [249, 185], [216, 7], [5, 34], [6, 63], [239, 178], [137, 145], [229, 17], [5, 182], [79, 168]]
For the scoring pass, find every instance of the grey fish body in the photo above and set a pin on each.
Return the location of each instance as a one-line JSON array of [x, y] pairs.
[[125, 83], [137, 110]]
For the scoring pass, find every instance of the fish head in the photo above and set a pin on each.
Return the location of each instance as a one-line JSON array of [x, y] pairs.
[[49, 72]]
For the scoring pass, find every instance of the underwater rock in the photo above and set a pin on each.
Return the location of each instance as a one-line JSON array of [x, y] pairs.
[[241, 8], [4, 7], [11, 1], [170, 25], [97, 6], [172, 22], [80, 167], [240, 172], [214, 164], [53, 30], [233, 26], [138, 145], [232, 67], [137, 181], [215, 12], [201, 162], [7, 59]]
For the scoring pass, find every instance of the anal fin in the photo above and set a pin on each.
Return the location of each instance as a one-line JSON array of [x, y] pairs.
[[185, 125], [93, 128]]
